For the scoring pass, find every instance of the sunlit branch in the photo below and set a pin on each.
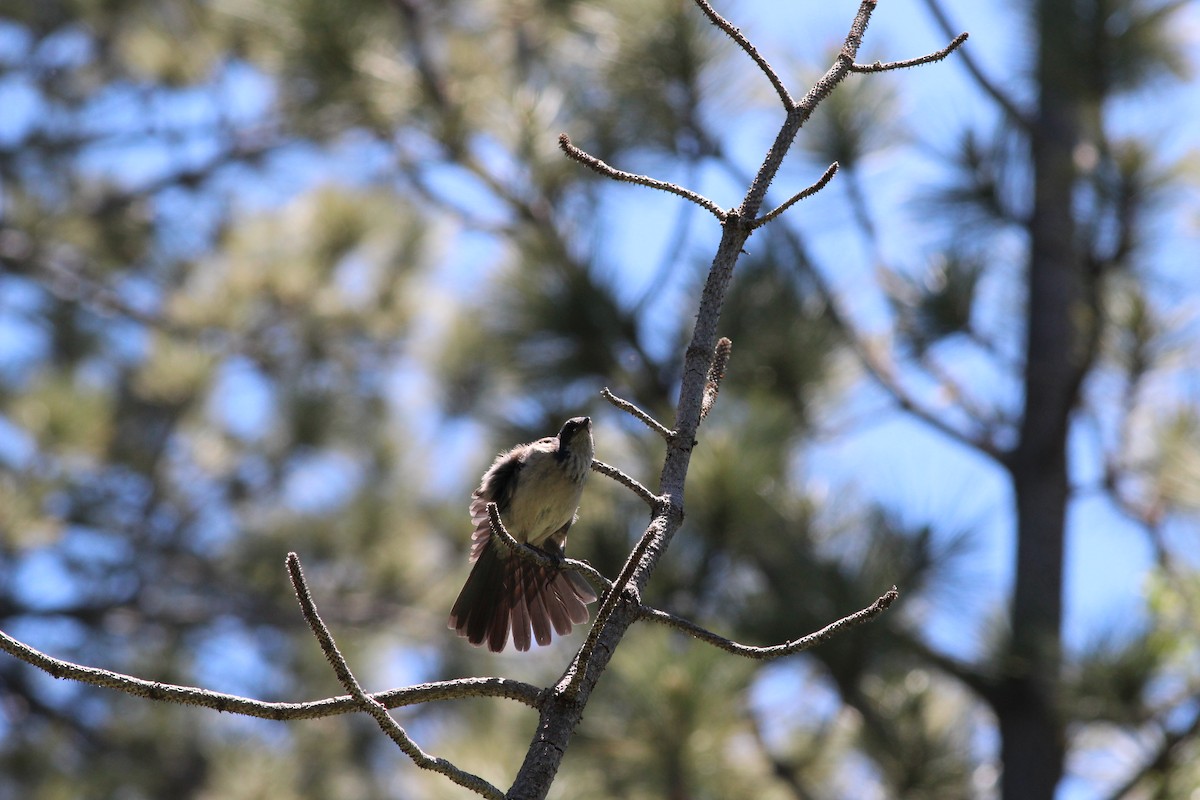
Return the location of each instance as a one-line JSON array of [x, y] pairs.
[[535, 556], [775, 651], [629, 408], [716, 374], [595, 164], [929, 58], [733, 33], [796, 198], [634, 486], [233, 704], [380, 714]]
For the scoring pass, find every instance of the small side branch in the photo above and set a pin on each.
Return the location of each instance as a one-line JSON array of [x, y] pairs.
[[929, 58], [629, 408], [716, 374], [820, 184], [528, 694], [380, 714], [535, 556], [596, 165], [1010, 106], [776, 651], [629, 483], [752, 51]]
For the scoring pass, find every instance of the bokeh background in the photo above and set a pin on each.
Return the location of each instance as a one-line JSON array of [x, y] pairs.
[[286, 274]]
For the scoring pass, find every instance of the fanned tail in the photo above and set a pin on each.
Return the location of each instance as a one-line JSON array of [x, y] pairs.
[[506, 593]]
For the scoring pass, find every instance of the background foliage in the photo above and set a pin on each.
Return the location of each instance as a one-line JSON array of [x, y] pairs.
[[284, 275]]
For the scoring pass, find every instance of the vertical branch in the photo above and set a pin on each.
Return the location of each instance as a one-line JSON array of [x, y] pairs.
[[564, 708]]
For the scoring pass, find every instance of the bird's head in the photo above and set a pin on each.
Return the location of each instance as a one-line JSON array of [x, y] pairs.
[[575, 440]]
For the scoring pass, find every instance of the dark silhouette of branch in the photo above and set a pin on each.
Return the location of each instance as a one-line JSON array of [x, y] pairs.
[[752, 51], [820, 184], [928, 58], [233, 704], [620, 477], [373, 707], [774, 651], [539, 557], [628, 407], [596, 165]]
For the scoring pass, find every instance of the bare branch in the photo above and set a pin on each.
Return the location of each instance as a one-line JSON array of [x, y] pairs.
[[620, 477], [752, 51], [535, 556], [380, 714], [628, 407], [929, 58], [595, 164], [775, 651], [985, 83], [820, 184], [234, 704], [716, 374]]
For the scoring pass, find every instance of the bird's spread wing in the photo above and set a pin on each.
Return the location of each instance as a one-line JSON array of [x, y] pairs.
[[498, 485]]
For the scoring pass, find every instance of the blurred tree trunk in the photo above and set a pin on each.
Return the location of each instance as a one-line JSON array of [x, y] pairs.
[[1028, 708]]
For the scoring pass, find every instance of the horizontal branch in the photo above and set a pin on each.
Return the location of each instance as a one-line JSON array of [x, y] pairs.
[[929, 58], [596, 165], [812, 189], [536, 556], [234, 704], [380, 714], [633, 485], [775, 651], [629, 408]]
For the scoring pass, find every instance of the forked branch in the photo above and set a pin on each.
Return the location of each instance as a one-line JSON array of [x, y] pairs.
[[233, 704], [367, 703]]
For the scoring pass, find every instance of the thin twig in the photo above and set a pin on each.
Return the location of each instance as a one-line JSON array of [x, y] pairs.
[[380, 714], [633, 485], [796, 198], [629, 408], [775, 651], [985, 83], [595, 164], [535, 556], [929, 58], [234, 704], [733, 33]]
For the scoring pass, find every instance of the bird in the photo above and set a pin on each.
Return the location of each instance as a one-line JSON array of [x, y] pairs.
[[536, 488]]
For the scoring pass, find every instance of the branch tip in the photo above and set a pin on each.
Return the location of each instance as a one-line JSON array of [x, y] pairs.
[[740, 38], [775, 651], [805, 193], [631, 409], [596, 165], [928, 58], [716, 374]]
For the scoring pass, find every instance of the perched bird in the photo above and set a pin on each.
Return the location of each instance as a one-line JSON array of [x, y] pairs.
[[536, 488]]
